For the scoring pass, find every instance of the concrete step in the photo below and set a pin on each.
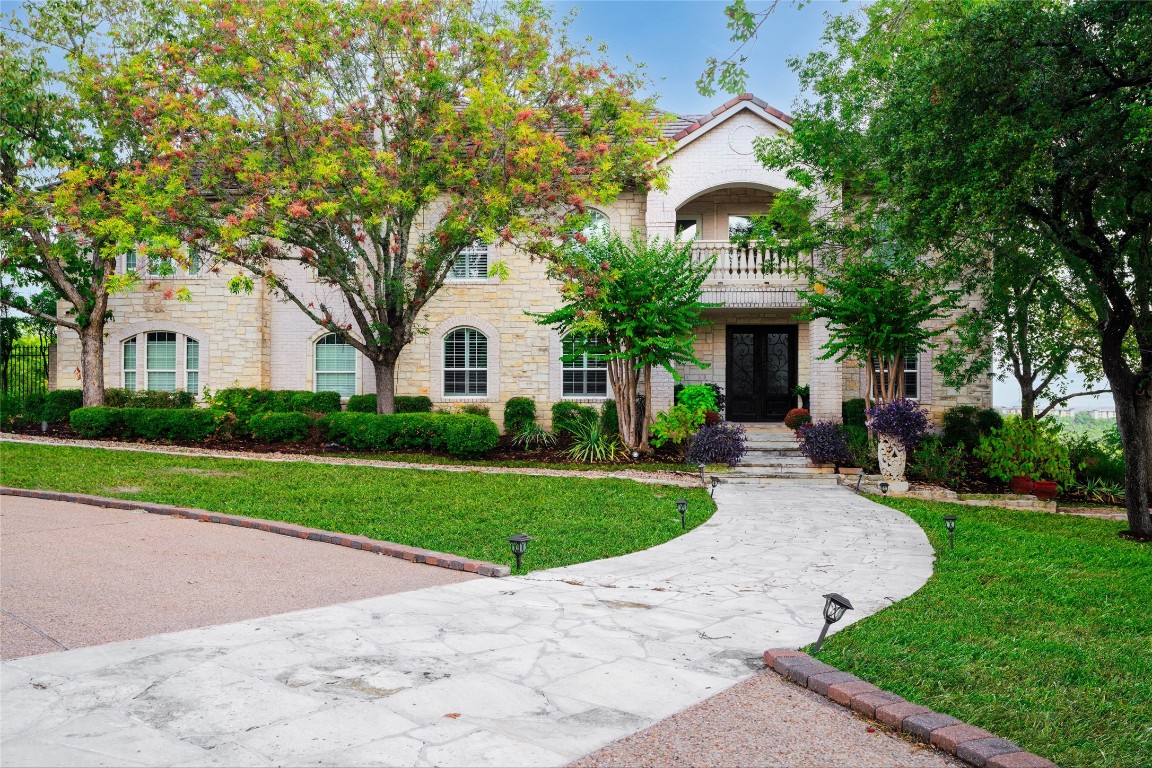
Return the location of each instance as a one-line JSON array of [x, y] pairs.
[[822, 480], [766, 460], [771, 471], [771, 445]]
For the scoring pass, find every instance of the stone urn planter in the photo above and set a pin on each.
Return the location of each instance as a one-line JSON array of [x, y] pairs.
[[893, 459], [1020, 484], [1045, 490]]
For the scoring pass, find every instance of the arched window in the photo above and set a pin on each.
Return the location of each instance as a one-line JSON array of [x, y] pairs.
[[597, 224], [170, 362], [585, 371], [465, 363], [335, 366]]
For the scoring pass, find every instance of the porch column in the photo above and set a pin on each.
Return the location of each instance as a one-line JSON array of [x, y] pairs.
[[826, 379]]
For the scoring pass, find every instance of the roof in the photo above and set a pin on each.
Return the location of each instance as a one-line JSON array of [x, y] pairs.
[[681, 126]]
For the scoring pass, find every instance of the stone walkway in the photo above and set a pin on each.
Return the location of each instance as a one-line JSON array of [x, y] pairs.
[[534, 670]]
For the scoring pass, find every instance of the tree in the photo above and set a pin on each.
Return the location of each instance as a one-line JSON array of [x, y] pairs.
[[640, 301], [78, 184], [966, 119], [369, 143]]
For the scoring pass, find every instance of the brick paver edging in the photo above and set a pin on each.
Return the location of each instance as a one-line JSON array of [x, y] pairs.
[[968, 743], [411, 554]]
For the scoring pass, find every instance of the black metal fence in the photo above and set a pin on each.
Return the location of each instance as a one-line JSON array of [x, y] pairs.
[[25, 371]]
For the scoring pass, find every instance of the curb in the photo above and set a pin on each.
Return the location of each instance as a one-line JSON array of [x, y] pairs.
[[973, 745], [401, 551]]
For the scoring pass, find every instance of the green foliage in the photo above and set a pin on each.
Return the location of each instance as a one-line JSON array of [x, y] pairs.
[[610, 418], [458, 434], [1028, 447], [863, 448], [933, 461], [1099, 460], [97, 421], [519, 412], [698, 397], [58, 404], [247, 402], [967, 424], [11, 410], [591, 444], [474, 409], [676, 425], [148, 398], [404, 404], [362, 404], [797, 417], [567, 416], [532, 436], [852, 412], [272, 427]]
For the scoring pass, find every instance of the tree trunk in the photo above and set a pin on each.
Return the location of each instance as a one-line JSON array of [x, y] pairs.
[[625, 381], [385, 372], [1027, 400], [92, 361], [1134, 419], [647, 420]]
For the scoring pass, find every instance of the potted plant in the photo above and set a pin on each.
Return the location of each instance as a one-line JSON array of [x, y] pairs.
[[805, 398], [899, 426], [796, 418], [1028, 455]]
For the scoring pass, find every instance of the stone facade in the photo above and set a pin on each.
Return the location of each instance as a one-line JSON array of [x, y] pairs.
[[259, 340]]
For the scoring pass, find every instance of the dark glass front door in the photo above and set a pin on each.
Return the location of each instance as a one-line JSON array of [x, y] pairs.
[[761, 372]]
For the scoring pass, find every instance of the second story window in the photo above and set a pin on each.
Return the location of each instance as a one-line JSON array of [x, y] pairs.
[[739, 227], [471, 263]]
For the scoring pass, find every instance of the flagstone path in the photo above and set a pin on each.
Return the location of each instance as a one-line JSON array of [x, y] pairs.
[[534, 670]]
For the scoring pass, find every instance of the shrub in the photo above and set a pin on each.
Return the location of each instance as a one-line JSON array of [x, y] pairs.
[[272, 427], [97, 421], [862, 447], [721, 443], [188, 424], [967, 424], [852, 411], [246, 402], [58, 404], [590, 443], [712, 418], [1095, 459], [148, 398], [568, 417], [901, 420], [935, 462], [796, 418], [32, 406], [11, 410], [610, 418], [519, 412], [676, 426], [470, 436], [362, 404], [1028, 447], [825, 442], [473, 409], [698, 397], [532, 436], [400, 431], [412, 404]]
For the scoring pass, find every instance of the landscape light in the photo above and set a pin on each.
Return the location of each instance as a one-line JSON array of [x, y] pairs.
[[884, 489], [950, 521], [834, 607], [635, 455], [519, 544], [715, 482], [43, 427], [682, 508], [700, 466]]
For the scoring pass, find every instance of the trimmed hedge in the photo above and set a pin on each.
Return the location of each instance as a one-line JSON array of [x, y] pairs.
[[404, 404], [519, 412], [272, 427], [188, 424], [58, 405], [569, 417], [458, 434], [246, 402], [148, 398], [852, 412]]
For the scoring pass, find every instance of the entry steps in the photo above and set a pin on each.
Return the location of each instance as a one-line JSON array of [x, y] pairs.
[[774, 454]]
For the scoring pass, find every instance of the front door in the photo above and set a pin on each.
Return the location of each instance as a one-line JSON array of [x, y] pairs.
[[761, 372]]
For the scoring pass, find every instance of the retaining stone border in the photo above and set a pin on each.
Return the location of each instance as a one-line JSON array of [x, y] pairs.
[[973, 745], [411, 554]]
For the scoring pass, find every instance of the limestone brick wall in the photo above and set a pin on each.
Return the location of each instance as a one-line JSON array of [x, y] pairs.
[[233, 331]]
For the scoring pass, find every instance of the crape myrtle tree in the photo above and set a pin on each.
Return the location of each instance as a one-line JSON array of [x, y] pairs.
[[370, 141], [637, 304], [967, 118], [79, 184]]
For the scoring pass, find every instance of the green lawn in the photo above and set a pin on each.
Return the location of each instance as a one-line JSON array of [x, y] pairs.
[[465, 513], [1037, 627]]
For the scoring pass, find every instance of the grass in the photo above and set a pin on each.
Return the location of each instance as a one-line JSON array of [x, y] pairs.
[[1037, 627], [571, 520], [620, 466]]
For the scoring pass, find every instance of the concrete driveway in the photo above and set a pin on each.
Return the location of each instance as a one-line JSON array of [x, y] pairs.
[[74, 575]]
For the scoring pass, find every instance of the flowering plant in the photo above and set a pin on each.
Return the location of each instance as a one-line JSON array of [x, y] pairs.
[[722, 443], [825, 442], [902, 421]]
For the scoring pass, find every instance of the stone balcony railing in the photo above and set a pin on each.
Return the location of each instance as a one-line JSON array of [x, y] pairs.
[[747, 267]]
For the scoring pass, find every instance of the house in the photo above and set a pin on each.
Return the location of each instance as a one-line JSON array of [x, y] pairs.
[[478, 345]]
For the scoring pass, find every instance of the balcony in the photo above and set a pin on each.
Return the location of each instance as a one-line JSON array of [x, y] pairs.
[[737, 266]]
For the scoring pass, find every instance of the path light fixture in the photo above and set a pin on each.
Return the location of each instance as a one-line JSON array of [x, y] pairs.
[[635, 455], [884, 489], [859, 479], [519, 544], [43, 427], [715, 482], [682, 508], [950, 521], [834, 607], [700, 466]]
